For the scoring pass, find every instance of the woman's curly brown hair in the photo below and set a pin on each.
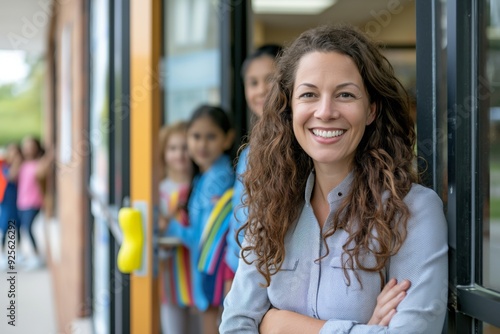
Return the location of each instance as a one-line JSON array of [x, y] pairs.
[[383, 166]]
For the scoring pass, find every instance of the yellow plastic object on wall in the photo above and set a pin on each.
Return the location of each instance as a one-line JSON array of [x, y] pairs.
[[130, 253]]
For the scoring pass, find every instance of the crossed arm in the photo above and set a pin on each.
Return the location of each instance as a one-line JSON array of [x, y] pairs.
[[400, 309], [281, 321]]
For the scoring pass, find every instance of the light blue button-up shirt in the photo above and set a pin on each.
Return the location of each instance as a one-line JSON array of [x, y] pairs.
[[319, 289]]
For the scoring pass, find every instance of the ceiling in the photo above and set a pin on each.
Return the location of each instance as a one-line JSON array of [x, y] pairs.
[[388, 22], [24, 25], [348, 11]]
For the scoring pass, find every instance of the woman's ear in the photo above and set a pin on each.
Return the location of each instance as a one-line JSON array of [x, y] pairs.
[[229, 139], [371, 114]]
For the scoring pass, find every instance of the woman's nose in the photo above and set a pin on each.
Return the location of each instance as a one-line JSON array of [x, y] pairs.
[[326, 110]]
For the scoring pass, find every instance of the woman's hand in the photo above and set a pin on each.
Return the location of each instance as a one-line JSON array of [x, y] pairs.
[[387, 302]]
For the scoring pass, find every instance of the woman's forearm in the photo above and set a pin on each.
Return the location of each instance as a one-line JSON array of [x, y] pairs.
[[286, 322]]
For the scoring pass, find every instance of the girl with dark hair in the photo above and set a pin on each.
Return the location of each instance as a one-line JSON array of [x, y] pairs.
[[209, 137], [257, 72], [30, 196], [340, 237]]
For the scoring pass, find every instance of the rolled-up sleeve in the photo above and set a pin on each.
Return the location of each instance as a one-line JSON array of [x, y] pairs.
[[246, 303], [422, 259]]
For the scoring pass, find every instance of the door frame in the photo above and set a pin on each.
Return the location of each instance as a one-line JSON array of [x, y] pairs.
[[450, 141]]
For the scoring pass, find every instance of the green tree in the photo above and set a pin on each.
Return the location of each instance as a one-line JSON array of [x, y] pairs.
[[21, 105]]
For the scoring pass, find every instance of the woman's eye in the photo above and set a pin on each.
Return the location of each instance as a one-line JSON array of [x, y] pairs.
[[346, 95], [307, 95]]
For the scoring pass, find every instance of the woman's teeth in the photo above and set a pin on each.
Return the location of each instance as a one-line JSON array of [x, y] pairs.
[[327, 134]]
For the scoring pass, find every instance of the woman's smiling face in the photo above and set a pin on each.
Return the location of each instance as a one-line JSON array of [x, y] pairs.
[[330, 107]]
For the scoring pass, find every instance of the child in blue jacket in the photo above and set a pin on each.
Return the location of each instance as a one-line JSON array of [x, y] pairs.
[[209, 135]]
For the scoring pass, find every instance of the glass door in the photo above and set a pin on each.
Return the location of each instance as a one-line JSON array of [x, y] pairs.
[[458, 98], [488, 90], [119, 137], [99, 171], [109, 138]]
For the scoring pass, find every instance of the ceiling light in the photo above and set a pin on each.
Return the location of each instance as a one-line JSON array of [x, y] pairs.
[[309, 7]]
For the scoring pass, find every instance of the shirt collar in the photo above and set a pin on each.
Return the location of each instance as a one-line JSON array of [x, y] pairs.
[[336, 194]]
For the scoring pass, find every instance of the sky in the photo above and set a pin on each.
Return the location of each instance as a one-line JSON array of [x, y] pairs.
[[12, 66]]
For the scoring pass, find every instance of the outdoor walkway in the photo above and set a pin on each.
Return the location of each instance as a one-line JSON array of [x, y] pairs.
[[35, 309]]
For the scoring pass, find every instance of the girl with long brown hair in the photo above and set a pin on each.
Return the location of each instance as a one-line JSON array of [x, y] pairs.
[[340, 237]]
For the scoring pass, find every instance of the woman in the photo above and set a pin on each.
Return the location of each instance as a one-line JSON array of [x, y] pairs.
[[339, 237]]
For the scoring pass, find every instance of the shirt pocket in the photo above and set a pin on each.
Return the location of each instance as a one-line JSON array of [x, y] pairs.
[[368, 280], [339, 275], [290, 264], [342, 299], [285, 288]]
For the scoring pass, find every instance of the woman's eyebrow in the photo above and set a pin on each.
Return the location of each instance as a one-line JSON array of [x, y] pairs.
[[310, 85], [342, 85], [345, 84]]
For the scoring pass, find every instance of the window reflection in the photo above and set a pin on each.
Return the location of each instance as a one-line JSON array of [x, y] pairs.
[[99, 180], [191, 68], [491, 228]]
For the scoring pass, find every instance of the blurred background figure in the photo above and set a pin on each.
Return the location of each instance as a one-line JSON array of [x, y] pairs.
[[8, 206], [210, 137], [175, 272], [32, 174], [257, 73]]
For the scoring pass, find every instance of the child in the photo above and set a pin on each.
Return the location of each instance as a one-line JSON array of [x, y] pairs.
[[257, 72], [209, 136], [176, 170], [30, 197], [8, 206]]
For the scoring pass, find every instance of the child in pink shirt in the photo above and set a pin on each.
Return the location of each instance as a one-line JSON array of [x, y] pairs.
[[30, 197]]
